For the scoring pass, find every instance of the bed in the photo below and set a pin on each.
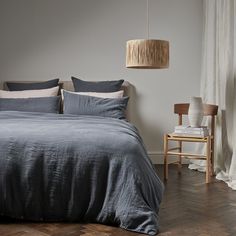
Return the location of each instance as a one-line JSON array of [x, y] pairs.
[[62, 167]]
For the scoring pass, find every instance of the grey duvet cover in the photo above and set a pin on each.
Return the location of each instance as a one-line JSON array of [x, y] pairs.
[[77, 168]]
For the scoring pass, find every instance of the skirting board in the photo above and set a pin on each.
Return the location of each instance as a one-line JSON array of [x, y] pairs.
[[157, 158]]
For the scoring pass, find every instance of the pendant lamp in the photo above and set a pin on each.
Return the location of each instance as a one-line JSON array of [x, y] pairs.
[[147, 53]]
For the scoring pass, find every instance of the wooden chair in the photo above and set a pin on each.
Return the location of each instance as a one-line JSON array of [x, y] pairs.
[[182, 109]]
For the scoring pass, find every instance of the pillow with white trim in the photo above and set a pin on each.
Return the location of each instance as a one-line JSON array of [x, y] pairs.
[[94, 106], [118, 94], [30, 93]]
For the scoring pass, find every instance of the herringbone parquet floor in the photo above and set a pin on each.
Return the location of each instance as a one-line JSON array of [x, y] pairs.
[[190, 208]]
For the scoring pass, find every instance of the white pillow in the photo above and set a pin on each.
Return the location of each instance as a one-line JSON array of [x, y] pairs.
[[51, 92], [118, 94]]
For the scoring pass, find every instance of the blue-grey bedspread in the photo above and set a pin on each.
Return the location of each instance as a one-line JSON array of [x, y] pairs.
[[77, 168]]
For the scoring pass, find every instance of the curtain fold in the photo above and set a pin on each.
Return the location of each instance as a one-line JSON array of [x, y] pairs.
[[218, 83]]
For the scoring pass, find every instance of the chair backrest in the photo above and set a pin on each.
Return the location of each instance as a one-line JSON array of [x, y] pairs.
[[208, 110]]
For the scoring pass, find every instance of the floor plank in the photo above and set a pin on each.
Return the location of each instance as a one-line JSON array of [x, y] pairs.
[[189, 208]]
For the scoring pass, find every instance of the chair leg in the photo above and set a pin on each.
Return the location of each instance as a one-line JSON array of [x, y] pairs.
[[165, 157], [212, 158], [212, 165], [208, 160], [180, 158]]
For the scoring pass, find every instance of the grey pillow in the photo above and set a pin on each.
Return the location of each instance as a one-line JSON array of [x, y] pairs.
[[14, 86], [100, 86], [88, 105], [42, 104]]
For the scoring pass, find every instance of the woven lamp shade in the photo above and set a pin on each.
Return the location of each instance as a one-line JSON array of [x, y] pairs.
[[147, 54]]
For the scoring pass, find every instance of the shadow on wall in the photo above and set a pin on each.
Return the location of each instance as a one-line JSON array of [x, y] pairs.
[[134, 116]]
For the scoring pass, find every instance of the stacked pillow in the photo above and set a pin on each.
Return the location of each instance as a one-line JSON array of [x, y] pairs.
[[118, 94], [31, 97], [100, 86], [89, 105], [103, 98], [30, 93], [13, 86], [39, 104]]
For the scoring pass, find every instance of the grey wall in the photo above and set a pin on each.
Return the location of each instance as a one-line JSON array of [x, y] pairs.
[[44, 39]]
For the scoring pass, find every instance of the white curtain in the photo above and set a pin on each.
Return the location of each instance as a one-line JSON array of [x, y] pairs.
[[218, 83]]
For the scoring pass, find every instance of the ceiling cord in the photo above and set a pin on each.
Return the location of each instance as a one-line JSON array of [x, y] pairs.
[[148, 19]]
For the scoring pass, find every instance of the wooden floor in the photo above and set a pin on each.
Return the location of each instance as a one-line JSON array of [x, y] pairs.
[[190, 208]]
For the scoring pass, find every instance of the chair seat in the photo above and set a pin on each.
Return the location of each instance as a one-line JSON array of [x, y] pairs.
[[186, 138]]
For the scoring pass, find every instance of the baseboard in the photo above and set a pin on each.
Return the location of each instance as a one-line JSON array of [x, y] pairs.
[[157, 158]]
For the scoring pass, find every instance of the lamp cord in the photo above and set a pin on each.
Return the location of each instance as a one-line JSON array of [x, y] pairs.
[[148, 19]]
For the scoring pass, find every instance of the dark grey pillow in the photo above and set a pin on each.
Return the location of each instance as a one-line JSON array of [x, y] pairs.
[[14, 86], [42, 104], [100, 86], [88, 105]]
